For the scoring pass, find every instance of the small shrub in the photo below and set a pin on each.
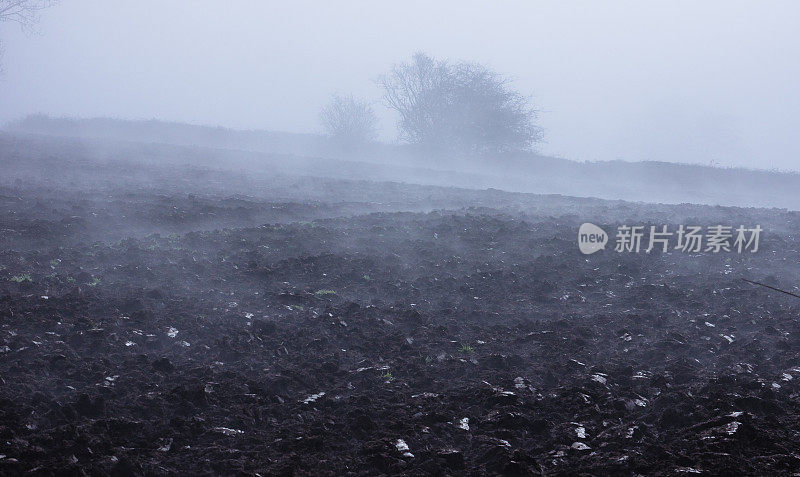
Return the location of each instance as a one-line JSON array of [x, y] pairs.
[[349, 122]]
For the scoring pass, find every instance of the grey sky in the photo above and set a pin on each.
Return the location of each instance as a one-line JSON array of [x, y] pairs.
[[711, 81]]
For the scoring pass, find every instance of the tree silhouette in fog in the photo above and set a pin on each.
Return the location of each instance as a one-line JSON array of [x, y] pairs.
[[23, 12], [348, 121], [462, 107]]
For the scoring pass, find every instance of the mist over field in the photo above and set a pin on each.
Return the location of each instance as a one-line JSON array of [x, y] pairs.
[[422, 238], [709, 82]]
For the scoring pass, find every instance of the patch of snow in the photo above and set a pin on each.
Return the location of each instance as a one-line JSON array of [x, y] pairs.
[[130, 343], [600, 378], [313, 397], [744, 368], [688, 470], [503, 392], [581, 432], [464, 423], [403, 448], [732, 427], [425, 395], [228, 431], [172, 332]]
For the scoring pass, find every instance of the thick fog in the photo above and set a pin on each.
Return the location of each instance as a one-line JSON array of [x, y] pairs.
[[710, 82], [399, 238]]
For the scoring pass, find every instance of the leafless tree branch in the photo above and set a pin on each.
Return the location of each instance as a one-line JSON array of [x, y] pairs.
[[23, 12], [464, 107]]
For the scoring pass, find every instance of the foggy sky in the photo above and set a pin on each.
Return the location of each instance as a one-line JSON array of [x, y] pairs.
[[702, 82]]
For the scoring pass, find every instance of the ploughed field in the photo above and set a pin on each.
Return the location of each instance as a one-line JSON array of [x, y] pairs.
[[262, 325]]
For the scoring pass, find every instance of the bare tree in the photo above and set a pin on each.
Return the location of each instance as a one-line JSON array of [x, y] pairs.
[[417, 92], [463, 107], [23, 12], [349, 121]]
